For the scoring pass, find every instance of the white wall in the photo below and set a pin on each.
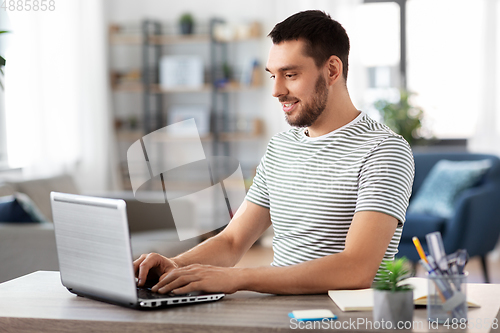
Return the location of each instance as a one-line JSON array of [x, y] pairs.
[[130, 10]]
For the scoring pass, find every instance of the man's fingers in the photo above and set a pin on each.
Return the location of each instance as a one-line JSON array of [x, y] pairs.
[[164, 279], [137, 262], [196, 277], [153, 263], [178, 282], [169, 277], [194, 286], [151, 260]]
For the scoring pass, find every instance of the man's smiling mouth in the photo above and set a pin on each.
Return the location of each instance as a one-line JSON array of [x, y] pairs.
[[287, 107]]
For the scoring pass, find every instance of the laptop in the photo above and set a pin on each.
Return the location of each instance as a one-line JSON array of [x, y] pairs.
[[95, 255]]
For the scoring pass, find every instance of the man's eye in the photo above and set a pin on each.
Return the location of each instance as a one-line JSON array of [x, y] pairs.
[[290, 75], [272, 77]]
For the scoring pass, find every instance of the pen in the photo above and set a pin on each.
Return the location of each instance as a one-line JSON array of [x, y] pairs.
[[436, 248], [462, 258], [435, 267], [443, 288]]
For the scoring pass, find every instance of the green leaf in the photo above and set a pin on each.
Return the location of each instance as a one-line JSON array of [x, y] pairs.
[[2, 60], [391, 275], [402, 117]]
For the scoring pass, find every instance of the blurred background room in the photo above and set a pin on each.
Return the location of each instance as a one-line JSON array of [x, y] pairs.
[[82, 80]]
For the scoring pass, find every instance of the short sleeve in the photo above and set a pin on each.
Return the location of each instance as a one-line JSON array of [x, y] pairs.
[[386, 179], [258, 192]]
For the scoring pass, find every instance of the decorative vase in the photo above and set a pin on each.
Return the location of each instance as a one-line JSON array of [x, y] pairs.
[[186, 28], [393, 307]]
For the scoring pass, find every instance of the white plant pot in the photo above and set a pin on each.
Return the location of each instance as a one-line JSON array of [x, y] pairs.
[[393, 307]]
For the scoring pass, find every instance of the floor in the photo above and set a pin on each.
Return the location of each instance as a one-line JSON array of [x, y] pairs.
[[263, 256]]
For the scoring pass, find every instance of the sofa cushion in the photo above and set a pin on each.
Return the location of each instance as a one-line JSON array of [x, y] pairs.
[[419, 225], [444, 183], [18, 208], [39, 190], [30, 207], [12, 211]]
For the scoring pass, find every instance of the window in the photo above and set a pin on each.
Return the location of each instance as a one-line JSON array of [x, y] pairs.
[[379, 33], [445, 63], [446, 59]]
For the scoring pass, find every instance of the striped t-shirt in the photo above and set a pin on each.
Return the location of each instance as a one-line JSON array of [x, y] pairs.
[[313, 186]]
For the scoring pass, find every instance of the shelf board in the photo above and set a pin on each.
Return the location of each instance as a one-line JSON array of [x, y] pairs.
[[179, 39], [131, 135], [138, 87], [237, 87], [126, 39], [137, 39], [237, 40], [128, 87], [238, 136], [156, 89], [134, 135]]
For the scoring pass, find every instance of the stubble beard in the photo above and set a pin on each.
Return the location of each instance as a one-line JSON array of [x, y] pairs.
[[311, 111]]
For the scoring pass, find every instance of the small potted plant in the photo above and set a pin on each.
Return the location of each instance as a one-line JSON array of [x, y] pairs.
[[402, 117], [2, 63], [393, 300], [186, 23]]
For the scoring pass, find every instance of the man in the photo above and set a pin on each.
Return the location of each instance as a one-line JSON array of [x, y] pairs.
[[335, 188]]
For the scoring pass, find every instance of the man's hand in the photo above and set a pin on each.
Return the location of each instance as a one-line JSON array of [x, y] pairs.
[[152, 265], [199, 278]]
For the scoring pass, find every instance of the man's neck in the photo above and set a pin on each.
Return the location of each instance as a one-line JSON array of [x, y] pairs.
[[339, 112]]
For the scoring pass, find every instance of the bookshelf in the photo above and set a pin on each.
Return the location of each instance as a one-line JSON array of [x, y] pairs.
[[152, 103]]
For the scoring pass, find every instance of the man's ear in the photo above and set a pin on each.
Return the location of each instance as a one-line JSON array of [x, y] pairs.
[[334, 67]]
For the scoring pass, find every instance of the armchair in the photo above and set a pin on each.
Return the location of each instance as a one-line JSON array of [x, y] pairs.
[[475, 223]]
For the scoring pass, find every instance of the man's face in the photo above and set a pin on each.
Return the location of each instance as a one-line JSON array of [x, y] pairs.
[[299, 85]]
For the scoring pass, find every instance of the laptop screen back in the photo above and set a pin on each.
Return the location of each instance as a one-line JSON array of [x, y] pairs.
[[93, 246]]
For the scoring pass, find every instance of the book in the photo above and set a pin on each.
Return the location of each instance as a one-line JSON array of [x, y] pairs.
[[362, 299]]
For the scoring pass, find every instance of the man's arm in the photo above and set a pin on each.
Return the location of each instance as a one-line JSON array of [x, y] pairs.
[[223, 250], [367, 240], [227, 248]]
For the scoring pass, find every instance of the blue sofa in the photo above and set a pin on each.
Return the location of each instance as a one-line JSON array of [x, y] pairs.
[[475, 224]]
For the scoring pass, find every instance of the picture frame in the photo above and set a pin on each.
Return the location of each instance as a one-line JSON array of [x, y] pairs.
[[200, 114]]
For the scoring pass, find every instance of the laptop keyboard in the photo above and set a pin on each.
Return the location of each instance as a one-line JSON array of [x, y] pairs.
[[146, 293]]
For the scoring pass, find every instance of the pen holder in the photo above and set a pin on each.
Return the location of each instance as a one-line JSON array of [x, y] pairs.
[[447, 297]]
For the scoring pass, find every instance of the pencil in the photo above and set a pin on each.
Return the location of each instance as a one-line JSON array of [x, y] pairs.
[[420, 250]]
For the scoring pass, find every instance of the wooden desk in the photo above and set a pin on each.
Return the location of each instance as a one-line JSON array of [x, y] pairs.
[[39, 303]]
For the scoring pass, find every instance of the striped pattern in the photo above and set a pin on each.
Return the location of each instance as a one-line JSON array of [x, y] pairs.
[[313, 186]]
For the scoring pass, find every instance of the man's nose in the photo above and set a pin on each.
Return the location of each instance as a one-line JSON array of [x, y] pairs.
[[279, 88]]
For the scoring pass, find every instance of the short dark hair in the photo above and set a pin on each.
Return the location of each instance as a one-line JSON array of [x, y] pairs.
[[324, 36]]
